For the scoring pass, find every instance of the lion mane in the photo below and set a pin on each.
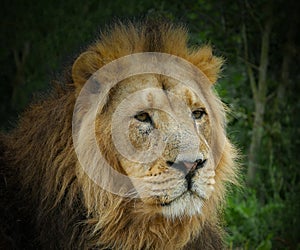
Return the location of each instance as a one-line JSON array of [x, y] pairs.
[[49, 202]]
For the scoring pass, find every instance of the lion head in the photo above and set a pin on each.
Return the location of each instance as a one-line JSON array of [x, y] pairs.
[[164, 137]]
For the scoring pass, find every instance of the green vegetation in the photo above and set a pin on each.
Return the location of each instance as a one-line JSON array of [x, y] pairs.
[[260, 85]]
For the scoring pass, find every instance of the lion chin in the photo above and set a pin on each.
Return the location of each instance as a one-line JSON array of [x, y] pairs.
[[147, 168], [188, 204]]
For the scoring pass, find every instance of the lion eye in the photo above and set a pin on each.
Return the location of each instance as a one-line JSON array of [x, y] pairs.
[[143, 117], [198, 114]]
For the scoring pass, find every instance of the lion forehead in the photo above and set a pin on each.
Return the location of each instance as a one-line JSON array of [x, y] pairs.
[[154, 91]]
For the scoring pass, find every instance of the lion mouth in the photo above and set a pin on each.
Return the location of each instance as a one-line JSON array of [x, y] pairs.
[[168, 203]]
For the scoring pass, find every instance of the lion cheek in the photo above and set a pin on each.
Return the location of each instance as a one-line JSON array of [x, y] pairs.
[[204, 186]]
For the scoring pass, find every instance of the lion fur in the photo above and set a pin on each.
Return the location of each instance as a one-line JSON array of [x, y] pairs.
[[54, 205]]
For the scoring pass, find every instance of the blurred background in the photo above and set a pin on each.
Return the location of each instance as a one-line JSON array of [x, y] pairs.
[[260, 85]]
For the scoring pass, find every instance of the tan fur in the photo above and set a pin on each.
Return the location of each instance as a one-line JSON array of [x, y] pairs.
[[67, 209]]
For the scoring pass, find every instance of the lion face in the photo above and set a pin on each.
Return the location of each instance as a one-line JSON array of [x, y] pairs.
[[161, 132]]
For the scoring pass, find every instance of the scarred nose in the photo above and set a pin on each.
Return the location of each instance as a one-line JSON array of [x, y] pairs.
[[186, 167], [189, 165]]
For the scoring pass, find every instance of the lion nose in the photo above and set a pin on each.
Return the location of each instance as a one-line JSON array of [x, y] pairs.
[[186, 166]]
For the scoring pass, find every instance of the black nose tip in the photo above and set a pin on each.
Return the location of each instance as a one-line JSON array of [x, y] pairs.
[[200, 163]]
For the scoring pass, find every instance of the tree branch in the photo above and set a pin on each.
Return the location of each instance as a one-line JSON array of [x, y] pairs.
[[248, 65], [264, 59]]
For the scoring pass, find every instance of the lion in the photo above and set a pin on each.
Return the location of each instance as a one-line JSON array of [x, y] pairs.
[[174, 199]]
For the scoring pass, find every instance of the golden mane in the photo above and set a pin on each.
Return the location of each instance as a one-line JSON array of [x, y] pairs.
[[125, 39], [63, 208]]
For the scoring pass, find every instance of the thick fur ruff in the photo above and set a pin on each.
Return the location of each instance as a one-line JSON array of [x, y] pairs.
[[49, 202]]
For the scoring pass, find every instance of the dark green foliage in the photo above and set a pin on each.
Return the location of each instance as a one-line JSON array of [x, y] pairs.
[[252, 223], [42, 37]]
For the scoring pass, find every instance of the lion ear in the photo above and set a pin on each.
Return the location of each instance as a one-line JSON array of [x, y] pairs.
[[83, 68], [209, 64]]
